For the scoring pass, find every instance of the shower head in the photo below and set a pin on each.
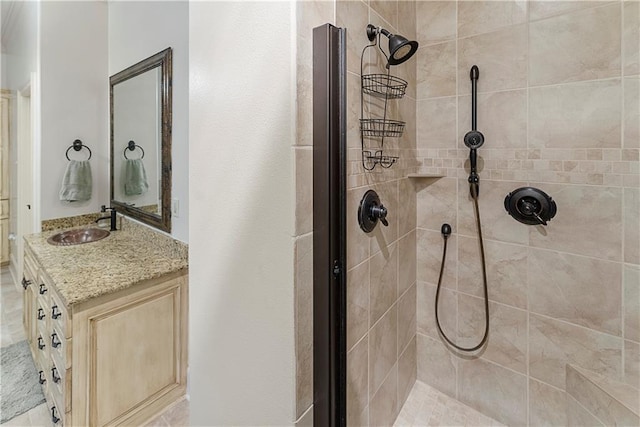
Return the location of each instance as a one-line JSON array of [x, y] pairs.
[[400, 49]]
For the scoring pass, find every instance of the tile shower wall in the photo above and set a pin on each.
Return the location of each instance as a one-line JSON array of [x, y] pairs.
[[558, 104], [381, 292]]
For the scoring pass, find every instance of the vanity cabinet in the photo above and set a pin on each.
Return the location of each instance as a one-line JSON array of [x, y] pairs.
[[116, 359]]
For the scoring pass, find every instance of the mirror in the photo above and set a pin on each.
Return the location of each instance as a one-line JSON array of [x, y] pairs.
[[140, 170]]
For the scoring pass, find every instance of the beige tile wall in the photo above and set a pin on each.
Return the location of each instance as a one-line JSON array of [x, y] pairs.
[[561, 116], [381, 291], [558, 104]]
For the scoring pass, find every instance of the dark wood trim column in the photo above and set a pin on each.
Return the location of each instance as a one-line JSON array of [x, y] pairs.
[[329, 227]]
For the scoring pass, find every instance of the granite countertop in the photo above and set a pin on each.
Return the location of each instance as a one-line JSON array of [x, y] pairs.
[[122, 259]]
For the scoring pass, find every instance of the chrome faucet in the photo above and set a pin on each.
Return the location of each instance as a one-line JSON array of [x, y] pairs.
[[111, 217]]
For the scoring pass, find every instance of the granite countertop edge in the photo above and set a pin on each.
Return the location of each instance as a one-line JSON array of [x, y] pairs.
[[122, 259]]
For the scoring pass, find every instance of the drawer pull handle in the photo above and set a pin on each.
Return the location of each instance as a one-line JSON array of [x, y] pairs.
[[40, 314], [55, 342], [54, 417], [55, 313], [25, 282], [41, 343], [54, 375], [41, 378], [43, 290]]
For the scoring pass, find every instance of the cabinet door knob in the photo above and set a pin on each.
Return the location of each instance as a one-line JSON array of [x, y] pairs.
[[55, 342], [55, 313], [54, 417], [41, 343], [25, 282], [41, 378], [54, 375], [43, 289], [40, 314]]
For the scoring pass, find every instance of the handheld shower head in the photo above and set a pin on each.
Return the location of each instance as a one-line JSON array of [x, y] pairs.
[[400, 49], [474, 139]]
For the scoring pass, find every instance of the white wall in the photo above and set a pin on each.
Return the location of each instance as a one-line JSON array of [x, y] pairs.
[[74, 100], [241, 103], [19, 49], [138, 30]]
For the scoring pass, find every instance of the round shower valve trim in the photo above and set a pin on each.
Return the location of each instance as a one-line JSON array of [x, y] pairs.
[[371, 211], [530, 206]]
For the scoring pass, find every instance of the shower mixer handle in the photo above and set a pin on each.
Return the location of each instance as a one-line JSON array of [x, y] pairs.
[[380, 212], [529, 208]]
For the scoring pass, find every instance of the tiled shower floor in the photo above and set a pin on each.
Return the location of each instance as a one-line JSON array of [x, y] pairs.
[[426, 406]]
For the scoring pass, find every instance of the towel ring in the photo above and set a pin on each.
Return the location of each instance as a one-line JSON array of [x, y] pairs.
[[77, 146], [132, 146]]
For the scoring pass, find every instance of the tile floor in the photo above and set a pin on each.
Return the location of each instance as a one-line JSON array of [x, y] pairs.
[[10, 310], [12, 331], [426, 406]]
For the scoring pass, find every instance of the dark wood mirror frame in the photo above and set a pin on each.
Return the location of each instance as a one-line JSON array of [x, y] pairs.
[[162, 60]]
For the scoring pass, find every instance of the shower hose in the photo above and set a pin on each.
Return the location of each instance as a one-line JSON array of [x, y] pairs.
[[474, 196]]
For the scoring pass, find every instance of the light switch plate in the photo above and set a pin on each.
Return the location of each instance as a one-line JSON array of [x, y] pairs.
[[175, 208]]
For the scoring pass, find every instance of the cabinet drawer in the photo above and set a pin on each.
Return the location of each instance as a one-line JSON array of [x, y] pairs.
[[41, 346], [61, 352], [59, 314], [41, 371], [42, 290], [56, 413], [57, 378], [4, 209], [61, 389], [40, 316]]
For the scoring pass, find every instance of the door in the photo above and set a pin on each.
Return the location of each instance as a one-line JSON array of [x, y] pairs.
[[4, 177], [25, 218]]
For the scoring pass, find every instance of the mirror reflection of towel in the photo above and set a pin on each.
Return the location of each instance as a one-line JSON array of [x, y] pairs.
[[135, 177], [77, 182]]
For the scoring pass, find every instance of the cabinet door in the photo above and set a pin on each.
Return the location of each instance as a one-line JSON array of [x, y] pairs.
[[4, 149], [136, 361], [4, 209], [4, 245]]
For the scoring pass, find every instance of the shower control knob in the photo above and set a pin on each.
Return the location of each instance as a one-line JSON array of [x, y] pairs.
[[371, 211], [380, 212]]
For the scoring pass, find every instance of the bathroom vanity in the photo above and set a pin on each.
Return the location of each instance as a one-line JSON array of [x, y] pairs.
[[107, 325]]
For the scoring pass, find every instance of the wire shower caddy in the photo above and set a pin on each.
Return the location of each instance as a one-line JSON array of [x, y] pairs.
[[383, 86]]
